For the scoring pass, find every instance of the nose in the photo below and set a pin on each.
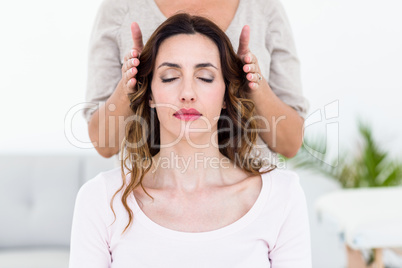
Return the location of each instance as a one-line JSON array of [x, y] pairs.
[[188, 94], [187, 98]]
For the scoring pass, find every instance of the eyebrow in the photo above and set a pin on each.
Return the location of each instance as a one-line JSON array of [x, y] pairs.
[[199, 65]]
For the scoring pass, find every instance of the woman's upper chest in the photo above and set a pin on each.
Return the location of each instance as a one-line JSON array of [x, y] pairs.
[[200, 211]]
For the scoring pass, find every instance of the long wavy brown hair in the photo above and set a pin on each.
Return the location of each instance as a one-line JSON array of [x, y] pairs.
[[237, 127]]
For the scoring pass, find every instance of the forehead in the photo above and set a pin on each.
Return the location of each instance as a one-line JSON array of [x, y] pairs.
[[188, 48]]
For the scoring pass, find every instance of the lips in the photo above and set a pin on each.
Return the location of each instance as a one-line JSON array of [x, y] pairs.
[[187, 114]]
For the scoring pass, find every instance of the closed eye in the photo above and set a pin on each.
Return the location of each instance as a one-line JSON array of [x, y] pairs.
[[207, 80], [167, 80]]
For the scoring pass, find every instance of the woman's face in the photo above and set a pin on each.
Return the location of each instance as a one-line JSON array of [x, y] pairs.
[[187, 89]]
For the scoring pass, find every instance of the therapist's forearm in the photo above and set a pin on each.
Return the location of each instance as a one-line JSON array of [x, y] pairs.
[[106, 127], [283, 127]]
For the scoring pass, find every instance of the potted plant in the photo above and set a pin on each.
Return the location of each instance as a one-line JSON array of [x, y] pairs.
[[367, 166]]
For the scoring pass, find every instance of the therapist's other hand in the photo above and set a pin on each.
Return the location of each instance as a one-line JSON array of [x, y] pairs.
[[250, 67], [131, 60]]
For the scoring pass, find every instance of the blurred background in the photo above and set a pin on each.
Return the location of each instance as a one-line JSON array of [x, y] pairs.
[[351, 60]]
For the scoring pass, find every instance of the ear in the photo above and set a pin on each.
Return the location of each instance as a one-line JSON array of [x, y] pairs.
[[151, 102], [224, 105]]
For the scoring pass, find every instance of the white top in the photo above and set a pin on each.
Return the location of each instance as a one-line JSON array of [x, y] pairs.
[[366, 217], [273, 233]]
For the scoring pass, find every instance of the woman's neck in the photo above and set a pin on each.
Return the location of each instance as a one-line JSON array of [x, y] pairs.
[[186, 167]]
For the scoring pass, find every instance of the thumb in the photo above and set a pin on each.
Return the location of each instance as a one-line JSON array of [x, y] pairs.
[[244, 40], [137, 37]]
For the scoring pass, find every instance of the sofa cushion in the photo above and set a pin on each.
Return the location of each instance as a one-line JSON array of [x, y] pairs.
[[37, 196], [35, 258]]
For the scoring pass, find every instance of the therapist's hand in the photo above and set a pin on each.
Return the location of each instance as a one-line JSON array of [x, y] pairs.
[[250, 67], [131, 60]]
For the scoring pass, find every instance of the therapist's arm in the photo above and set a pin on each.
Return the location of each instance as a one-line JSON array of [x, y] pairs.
[[106, 128]]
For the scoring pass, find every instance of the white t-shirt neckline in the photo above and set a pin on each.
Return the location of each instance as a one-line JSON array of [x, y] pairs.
[[236, 226]]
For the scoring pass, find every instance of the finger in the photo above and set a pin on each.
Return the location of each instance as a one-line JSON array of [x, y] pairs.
[[253, 85], [250, 68], [134, 62], [137, 37], [250, 58], [254, 77], [134, 54], [130, 63], [131, 83], [129, 55], [244, 41], [130, 73]]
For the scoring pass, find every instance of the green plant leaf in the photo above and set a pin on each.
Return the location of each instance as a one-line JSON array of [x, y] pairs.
[[367, 166]]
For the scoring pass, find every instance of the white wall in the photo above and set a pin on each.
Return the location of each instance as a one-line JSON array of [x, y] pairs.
[[351, 51], [43, 72]]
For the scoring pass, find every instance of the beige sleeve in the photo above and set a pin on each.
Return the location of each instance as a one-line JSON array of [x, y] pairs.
[[284, 78], [104, 65]]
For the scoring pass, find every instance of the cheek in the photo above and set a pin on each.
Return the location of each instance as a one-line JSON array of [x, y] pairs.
[[218, 94], [163, 102], [215, 100]]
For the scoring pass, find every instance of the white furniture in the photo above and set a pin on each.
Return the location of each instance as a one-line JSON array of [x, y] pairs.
[[367, 218], [37, 195]]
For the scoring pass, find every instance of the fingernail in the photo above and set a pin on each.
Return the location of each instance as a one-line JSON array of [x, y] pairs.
[[132, 61], [132, 53]]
